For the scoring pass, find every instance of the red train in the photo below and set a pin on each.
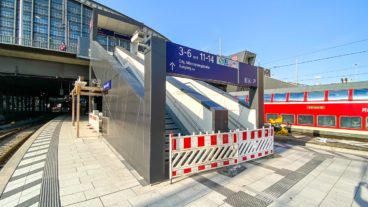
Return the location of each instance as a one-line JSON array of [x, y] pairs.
[[336, 109]]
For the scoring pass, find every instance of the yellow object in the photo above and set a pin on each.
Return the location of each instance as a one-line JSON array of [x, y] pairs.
[[279, 129], [278, 120], [283, 131]]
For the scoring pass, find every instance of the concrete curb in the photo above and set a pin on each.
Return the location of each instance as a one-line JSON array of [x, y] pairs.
[[13, 162], [324, 147], [337, 149]]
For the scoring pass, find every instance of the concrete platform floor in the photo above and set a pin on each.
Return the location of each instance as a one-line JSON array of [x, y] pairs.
[[59, 169]]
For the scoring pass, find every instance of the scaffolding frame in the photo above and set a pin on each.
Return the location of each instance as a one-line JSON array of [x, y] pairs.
[[81, 90]]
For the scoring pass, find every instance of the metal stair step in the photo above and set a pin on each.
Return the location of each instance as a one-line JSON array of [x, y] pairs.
[[170, 127]]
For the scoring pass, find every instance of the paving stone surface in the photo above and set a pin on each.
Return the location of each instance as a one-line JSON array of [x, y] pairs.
[[90, 173]]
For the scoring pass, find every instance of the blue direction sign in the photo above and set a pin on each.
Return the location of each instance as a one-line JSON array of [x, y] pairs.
[[107, 85], [188, 62]]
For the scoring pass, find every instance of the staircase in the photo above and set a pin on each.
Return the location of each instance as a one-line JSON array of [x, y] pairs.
[[170, 128]]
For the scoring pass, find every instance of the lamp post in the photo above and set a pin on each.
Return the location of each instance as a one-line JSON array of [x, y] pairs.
[[67, 33]]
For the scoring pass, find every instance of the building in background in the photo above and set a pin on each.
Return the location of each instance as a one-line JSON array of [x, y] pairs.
[[47, 24], [44, 47]]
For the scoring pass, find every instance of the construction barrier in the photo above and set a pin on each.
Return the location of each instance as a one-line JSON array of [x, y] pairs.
[[197, 153], [94, 122]]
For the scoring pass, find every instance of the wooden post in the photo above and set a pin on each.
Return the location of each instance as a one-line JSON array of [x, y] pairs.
[[78, 108], [73, 109]]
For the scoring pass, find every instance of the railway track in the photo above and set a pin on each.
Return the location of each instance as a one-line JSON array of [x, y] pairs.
[[11, 139]]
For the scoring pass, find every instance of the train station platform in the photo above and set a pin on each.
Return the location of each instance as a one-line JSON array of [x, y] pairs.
[[54, 168]]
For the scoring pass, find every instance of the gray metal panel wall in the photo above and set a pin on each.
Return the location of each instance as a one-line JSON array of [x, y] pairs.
[[123, 106], [135, 114]]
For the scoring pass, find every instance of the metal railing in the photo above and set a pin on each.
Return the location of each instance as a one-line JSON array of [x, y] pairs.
[[72, 48]]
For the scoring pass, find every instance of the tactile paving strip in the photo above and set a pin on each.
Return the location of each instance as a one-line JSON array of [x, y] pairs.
[[242, 199], [36, 172], [263, 199], [283, 185], [50, 184], [214, 186]]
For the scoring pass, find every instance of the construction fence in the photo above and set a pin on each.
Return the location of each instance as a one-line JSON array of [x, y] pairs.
[[198, 153]]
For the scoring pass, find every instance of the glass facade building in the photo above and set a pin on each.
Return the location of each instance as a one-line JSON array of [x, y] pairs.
[[7, 18], [47, 23], [109, 39]]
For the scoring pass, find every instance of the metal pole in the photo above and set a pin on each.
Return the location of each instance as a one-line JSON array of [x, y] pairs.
[[32, 20], [90, 84], [81, 21], [18, 103], [78, 108], [296, 70], [220, 46], [73, 109], [68, 38], [107, 43], [7, 109], [1, 104], [19, 23]]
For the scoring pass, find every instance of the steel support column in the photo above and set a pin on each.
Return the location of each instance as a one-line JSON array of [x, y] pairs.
[[23, 103], [154, 109], [18, 103], [33, 104], [256, 98], [13, 103], [27, 103], [7, 102], [1, 104]]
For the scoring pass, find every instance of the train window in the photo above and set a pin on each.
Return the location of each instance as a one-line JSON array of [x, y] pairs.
[[305, 119], [351, 122], [296, 97], [267, 98], [360, 94], [271, 116], [329, 121], [288, 119], [279, 97], [338, 95], [316, 96]]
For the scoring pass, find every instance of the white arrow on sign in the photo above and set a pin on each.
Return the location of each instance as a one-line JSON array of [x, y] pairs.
[[172, 64]]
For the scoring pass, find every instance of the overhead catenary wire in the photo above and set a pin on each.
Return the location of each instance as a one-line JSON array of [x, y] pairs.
[[336, 76], [317, 51], [320, 59], [321, 73]]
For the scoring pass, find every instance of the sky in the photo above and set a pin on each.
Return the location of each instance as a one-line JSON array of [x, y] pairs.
[[280, 32]]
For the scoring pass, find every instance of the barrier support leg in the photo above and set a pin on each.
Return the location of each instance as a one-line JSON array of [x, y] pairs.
[[170, 158]]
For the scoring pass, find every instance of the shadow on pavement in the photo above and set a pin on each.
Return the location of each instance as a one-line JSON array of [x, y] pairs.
[[358, 194]]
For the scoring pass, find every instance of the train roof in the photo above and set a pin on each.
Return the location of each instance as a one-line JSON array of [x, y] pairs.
[[334, 86]]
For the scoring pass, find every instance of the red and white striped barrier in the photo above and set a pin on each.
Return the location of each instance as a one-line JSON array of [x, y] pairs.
[[94, 122], [197, 153], [255, 144]]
